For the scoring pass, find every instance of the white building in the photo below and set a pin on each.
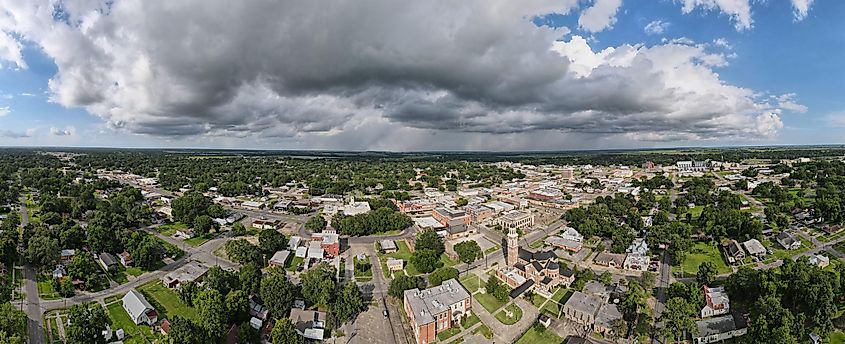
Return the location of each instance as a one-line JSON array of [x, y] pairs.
[[139, 310]]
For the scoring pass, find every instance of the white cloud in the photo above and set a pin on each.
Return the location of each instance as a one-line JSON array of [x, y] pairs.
[[5, 111], [723, 43], [738, 10], [69, 131], [788, 102], [600, 16], [801, 8], [656, 27], [439, 74], [10, 50]]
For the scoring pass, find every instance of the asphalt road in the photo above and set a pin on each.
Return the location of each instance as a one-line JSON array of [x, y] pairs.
[[33, 301]]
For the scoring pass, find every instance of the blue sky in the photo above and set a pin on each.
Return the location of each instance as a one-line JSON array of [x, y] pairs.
[[424, 81]]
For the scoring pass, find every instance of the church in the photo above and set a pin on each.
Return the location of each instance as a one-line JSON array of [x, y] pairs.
[[537, 271]]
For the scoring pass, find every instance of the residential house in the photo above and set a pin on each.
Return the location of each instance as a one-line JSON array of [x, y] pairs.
[[788, 241], [716, 302], [125, 259], [733, 251], [388, 246], [607, 315], [329, 242], [309, 323], [614, 260], [819, 260], [571, 234], [66, 255], [139, 310], [107, 261], [638, 247], [754, 248], [436, 309], [720, 328], [394, 264], [279, 258], [191, 272]]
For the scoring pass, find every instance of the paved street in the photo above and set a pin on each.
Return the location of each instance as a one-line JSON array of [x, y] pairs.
[[33, 306]]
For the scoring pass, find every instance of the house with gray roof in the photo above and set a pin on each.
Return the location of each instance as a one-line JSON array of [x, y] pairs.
[[139, 310], [720, 328], [582, 308]]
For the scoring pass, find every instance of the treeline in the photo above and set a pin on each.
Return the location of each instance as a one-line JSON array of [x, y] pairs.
[[382, 218]]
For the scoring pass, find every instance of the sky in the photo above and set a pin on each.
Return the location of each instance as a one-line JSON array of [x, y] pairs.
[[444, 75]]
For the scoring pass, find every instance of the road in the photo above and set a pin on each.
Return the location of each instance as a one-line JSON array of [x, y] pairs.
[[379, 293], [33, 301]]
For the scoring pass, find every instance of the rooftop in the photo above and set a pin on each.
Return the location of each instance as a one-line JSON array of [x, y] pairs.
[[432, 301]]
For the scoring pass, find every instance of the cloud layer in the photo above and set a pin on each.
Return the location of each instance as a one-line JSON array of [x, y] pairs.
[[306, 70]]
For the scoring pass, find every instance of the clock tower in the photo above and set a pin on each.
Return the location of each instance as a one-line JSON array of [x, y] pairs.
[[513, 247]]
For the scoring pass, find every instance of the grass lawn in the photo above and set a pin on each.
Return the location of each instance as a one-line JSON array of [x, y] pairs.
[[471, 282], [489, 302], [469, 321], [45, 289], [538, 300], [492, 250], [119, 276], [293, 263], [166, 301], [442, 336], [538, 243], [121, 320], [196, 241], [484, 331], [533, 337], [837, 337], [134, 271], [447, 261], [516, 312], [696, 211], [402, 253], [361, 276], [562, 295], [700, 253], [551, 309], [171, 228]]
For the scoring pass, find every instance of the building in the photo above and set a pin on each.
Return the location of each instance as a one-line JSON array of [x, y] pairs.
[[268, 224], [279, 259], [733, 251], [693, 166], [638, 247], [540, 269], [479, 213], [516, 220], [450, 217], [720, 328], [329, 242], [566, 244], [613, 260], [582, 308], [788, 241], [253, 205], [716, 302], [416, 207], [394, 264], [66, 255], [139, 310], [547, 194], [754, 248], [107, 261], [460, 231], [388, 246], [819, 260], [191, 272], [309, 324], [125, 258], [355, 208], [571, 234], [436, 309], [636, 262], [605, 317]]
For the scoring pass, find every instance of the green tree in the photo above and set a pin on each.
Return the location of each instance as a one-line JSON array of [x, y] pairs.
[[237, 307], [188, 207], [12, 321], [271, 240], [425, 260], [285, 333], [318, 285], [211, 311], [277, 292], [349, 302], [442, 274], [203, 225], [87, 323], [43, 251], [220, 280], [429, 240], [82, 267], [399, 284], [706, 273], [461, 202], [249, 277], [678, 319], [148, 253], [316, 223], [468, 251], [244, 252], [185, 331]]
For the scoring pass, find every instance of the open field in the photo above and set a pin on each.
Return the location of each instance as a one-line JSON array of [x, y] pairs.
[[700, 253]]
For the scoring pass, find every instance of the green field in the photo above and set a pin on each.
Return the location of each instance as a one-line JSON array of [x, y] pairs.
[[700, 253], [469, 321], [837, 337], [121, 320], [45, 288], [538, 300], [562, 295], [166, 301], [365, 276], [199, 240], [471, 282], [484, 331], [489, 302], [533, 337], [448, 333], [516, 312], [171, 228]]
